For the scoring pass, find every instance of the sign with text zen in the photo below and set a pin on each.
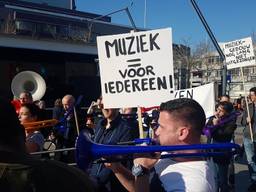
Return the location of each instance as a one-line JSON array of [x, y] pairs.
[[204, 95], [239, 53], [136, 68]]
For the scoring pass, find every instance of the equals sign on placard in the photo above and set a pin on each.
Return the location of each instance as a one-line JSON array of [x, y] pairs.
[[136, 62]]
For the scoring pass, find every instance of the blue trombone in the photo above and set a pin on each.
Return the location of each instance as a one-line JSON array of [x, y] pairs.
[[88, 151], [147, 141]]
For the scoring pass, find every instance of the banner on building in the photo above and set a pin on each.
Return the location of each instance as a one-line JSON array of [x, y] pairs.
[[136, 68], [204, 95], [239, 53]]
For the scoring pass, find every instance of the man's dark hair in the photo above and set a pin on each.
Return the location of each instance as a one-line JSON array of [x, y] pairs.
[[186, 110], [253, 89], [227, 106]]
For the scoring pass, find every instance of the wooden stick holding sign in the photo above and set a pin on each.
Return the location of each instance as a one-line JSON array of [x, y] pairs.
[[247, 106], [141, 132]]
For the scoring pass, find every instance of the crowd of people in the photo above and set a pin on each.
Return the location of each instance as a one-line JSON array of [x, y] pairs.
[[22, 172], [179, 122]]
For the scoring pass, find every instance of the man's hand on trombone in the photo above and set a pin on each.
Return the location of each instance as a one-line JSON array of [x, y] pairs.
[[147, 160]]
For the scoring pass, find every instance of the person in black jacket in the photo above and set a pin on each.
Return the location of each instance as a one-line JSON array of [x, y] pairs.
[[67, 132], [223, 126], [111, 129]]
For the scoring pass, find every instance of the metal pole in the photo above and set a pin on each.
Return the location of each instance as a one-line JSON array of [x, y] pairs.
[[215, 43], [145, 13], [97, 18], [131, 19], [53, 151], [224, 79]]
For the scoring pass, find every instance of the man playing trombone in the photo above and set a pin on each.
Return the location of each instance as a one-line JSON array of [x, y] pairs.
[[223, 125], [180, 123], [67, 135]]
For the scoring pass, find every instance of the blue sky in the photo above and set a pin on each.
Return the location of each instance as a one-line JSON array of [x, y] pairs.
[[228, 19]]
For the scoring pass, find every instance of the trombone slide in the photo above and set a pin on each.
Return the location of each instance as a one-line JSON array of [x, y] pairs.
[[34, 126], [88, 151]]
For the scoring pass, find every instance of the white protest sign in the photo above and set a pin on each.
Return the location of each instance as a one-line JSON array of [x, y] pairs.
[[136, 68], [204, 95], [239, 53]]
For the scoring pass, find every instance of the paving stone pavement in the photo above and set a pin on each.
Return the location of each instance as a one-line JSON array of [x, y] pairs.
[[241, 169]]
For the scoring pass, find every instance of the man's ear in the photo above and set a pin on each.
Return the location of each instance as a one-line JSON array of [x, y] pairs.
[[183, 133]]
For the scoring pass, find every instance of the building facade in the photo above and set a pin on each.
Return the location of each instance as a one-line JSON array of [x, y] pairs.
[[58, 43], [209, 69]]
